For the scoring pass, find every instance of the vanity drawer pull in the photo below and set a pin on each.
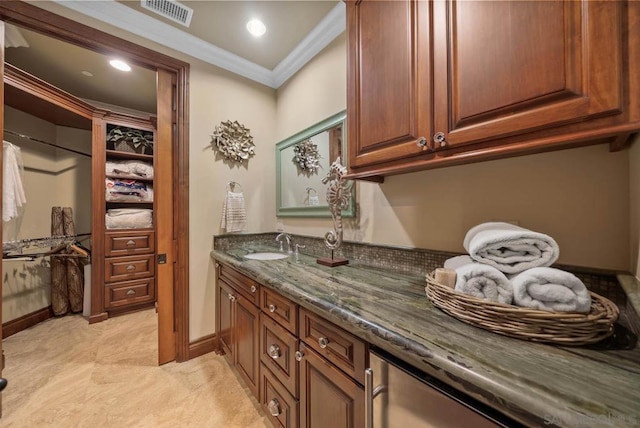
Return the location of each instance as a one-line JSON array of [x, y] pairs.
[[253, 288], [299, 356], [131, 268], [131, 243], [272, 308], [274, 407], [130, 292], [274, 351], [323, 342]]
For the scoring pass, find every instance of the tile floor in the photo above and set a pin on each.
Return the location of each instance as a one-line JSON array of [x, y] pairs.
[[66, 373]]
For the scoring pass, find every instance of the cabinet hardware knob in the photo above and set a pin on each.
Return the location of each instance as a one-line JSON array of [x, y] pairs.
[[274, 407], [217, 265], [130, 292], [440, 139], [421, 142], [131, 243], [253, 288], [131, 268], [274, 351], [231, 297], [272, 308], [323, 342], [299, 355]]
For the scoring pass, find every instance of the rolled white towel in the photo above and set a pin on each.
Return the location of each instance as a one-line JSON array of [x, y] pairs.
[[510, 248], [482, 281], [457, 261], [550, 289]]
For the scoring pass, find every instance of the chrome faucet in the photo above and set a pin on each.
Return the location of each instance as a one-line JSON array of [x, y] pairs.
[[288, 239]]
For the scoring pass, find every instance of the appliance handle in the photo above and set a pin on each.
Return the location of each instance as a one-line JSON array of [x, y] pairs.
[[368, 398]]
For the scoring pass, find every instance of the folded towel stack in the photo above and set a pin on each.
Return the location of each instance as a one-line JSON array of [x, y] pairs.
[[234, 215], [509, 264]]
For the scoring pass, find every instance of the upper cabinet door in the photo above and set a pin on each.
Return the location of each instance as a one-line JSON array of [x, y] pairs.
[[388, 79], [504, 68]]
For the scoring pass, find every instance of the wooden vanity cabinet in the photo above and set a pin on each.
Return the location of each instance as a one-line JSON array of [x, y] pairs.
[[310, 372], [433, 83], [237, 321]]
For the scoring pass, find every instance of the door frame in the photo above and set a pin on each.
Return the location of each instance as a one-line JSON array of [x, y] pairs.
[[56, 26]]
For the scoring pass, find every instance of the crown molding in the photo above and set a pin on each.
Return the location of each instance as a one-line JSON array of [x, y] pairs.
[[331, 26], [132, 21]]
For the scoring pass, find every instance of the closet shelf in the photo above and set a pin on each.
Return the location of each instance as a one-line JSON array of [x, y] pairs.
[[129, 177], [130, 202], [128, 155]]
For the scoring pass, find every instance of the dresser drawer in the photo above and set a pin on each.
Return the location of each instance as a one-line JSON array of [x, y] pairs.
[[127, 268], [277, 351], [244, 285], [129, 243], [338, 346], [129, 293], [279, 406], [281, 309]]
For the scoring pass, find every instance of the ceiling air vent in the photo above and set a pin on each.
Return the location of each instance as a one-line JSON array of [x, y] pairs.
[[170, 9]]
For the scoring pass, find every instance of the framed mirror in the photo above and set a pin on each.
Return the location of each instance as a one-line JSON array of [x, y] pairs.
[[302, 162]]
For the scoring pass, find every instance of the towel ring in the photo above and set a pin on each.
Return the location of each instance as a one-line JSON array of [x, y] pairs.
[[310, 189], [232, 185]]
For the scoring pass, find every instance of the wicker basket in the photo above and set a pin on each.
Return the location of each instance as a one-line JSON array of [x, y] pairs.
[[524, 323]]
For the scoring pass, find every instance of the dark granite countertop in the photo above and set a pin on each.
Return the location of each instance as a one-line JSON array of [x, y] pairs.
[[536, 384]]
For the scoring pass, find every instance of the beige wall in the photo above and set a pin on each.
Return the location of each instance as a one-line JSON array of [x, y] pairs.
[[578, 196], [316, 92], [634, 181], [52, 177], [217, 97]]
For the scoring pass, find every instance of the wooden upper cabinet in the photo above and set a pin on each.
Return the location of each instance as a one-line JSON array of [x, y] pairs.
[[502, 68], [389, 107], [486, 79]]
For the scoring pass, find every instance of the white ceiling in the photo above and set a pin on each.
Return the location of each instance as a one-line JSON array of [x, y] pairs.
[[296, 32]]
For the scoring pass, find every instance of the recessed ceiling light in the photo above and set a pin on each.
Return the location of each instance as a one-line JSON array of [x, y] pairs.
[[120, 65], [256, 28], [87, 73]]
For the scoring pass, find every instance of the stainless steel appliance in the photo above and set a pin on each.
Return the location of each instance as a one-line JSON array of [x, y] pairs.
[[399, 396]]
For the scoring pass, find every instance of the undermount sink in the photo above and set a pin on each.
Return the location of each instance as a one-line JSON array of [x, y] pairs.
[[266, 256]]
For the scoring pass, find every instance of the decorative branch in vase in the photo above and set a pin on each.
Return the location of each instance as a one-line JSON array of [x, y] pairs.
[[338, 196], [130, 140]]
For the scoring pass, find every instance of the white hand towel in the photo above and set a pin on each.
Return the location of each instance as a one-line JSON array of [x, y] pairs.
[[550, 289], [234, 214], [314, 201], [13, 197], [510, 248], [480, 280]]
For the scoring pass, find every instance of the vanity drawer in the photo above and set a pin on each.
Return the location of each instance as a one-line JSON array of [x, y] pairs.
[[130, 267], [338, 346], [129, 292], [129, 243], [244, 285], [280, 309], [279, 406], [277, 351]]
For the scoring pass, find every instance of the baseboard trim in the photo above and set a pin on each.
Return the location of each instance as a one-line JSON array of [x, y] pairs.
[[202, 346], [98, 318], [24, 322]]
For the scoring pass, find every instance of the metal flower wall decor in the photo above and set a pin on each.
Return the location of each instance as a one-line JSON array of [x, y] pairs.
[[233, 141], [306, 156]]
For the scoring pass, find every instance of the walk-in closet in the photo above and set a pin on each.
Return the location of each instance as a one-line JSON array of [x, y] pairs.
[[78, 180]]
